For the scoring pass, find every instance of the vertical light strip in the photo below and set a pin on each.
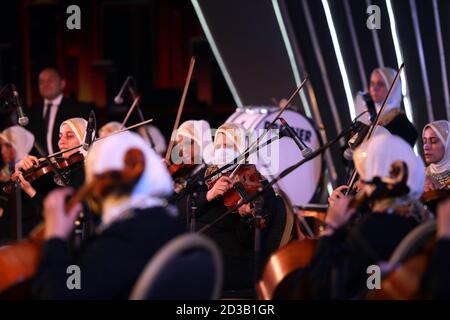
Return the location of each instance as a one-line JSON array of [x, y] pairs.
[[376, 43], [337, 50], [423, 67], [351, 26], [322, 67], [399, 56], [291, 56], [330, 172], [216, 52], [437, 21]]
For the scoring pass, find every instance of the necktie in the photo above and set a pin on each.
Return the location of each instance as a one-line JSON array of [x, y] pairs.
[[47, 116]]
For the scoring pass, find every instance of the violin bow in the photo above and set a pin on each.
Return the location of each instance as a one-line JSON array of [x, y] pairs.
[[133, 106], [282, 109], [251, 148], [354, 175], [110, 135], [180, 109]]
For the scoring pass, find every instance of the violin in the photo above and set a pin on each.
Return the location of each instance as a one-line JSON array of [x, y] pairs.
[[246, 180], [434, 195], [44, 168], [181, 170]]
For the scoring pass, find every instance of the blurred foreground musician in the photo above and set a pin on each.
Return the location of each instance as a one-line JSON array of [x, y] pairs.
[[355, 238], [128, 182], [436, 280]]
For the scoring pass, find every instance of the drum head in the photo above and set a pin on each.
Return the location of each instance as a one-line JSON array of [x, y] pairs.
[[300, 185]]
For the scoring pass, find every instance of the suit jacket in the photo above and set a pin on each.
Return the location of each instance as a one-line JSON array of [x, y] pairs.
[[67, 109]]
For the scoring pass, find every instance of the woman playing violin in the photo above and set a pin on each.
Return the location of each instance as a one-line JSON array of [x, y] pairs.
[[234, 234], [71, 134], [16, 143], [193, 148]]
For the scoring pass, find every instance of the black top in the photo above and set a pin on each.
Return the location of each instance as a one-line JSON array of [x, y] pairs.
[[436, 280], [339, 269], [403, 128], [233, 234], [31, 215], [111, 261], [68, 108]]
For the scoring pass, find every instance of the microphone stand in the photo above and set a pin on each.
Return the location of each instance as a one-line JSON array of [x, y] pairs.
[[136, 99], [259, 204], [18, 192], [193, 211], [18, 209]]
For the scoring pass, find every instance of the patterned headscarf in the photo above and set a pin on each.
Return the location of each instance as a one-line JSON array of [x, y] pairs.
[[442, 130]]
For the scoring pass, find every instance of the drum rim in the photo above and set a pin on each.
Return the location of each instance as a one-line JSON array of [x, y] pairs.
[[256, 110]]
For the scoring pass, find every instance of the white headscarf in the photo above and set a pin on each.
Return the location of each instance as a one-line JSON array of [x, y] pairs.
[[234, 132], [442, 130], [200, 132], [21, 139], [78, 126], [154, 184], [236, 136], [109, 128], [395, 98], [375, 157]]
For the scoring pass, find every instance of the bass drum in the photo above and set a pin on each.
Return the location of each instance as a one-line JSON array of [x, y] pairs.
[[302, 185]]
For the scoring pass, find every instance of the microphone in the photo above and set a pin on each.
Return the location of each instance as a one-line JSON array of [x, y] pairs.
[[89, 130], [291, 133], [360, 130], [119, 99], [348, 154], [23, 119], [369, 104]]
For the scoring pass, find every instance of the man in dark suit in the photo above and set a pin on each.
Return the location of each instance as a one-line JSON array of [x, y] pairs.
[[46, 118]]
